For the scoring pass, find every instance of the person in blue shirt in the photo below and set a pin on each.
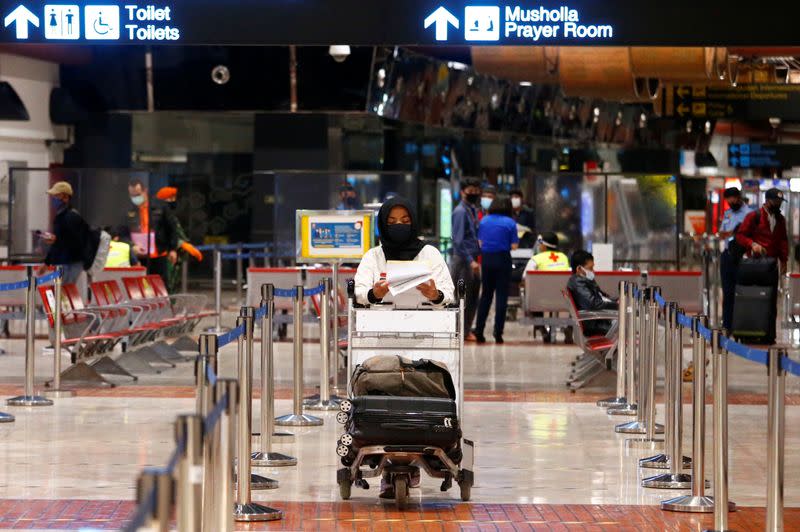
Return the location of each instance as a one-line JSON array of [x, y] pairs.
[[464, 262], [498, 236], [728, 264]]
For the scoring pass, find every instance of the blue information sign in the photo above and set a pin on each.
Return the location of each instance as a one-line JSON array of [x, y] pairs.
[[336, 235], [750, 155]]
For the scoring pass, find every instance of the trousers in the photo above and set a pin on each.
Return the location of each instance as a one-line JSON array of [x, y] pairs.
[[495, 282], [460, 269]]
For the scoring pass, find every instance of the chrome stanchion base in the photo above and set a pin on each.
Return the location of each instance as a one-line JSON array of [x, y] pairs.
[[6, 418], [58, 394], [298, 420], [662, 461], [324, 406], [255, 512], [278, 437], [315, 400], [257, 482], [612, 402], [637, 427], [259, 459], [668, 481], [29, 400], [644, 444], [627, 410], [690, 503]]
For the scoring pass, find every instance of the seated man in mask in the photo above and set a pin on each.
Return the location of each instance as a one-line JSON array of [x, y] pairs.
[[587, 293]]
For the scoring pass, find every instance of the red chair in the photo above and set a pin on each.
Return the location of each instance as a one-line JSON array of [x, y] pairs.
[[598, 350]]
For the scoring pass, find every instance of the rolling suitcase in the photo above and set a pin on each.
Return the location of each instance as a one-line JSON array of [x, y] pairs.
[[756, 302], [416, 421]]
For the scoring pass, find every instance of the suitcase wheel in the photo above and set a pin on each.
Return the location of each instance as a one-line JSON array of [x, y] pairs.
[[345, 406], [401, 491], [342, 417], [342, 450], [346, 439]]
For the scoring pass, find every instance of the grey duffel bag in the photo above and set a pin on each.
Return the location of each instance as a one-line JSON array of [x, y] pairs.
[[401, 377]]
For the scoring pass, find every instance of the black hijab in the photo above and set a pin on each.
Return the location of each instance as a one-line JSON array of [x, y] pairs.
[[392, 249]]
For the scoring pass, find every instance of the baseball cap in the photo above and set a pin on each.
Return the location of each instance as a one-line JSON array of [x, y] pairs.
[[62, 187], [774, 194], [732, 192]]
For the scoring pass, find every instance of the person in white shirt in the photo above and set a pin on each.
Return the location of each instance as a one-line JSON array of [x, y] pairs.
[[399, 232]]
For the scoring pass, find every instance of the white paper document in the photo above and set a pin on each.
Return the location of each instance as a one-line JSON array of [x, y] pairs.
[[403, 275]]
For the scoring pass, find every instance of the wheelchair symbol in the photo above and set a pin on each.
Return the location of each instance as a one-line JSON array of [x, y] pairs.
[[101, 27]]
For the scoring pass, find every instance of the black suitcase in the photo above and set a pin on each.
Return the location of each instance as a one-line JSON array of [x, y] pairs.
[[754, 314], [760, 271], [417, 421]]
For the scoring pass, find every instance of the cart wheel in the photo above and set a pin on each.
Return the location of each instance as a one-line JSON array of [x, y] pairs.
[[342, 417], [345, 406], [401, 491], [466, 482], [344, 489]]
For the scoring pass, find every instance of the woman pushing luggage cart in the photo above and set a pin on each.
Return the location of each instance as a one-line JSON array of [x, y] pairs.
[[405, 372]]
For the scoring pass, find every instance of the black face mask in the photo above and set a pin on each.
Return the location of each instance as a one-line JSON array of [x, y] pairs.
[[774, 209], [172, 205], [474, 199], [735, 207], [399, 233]]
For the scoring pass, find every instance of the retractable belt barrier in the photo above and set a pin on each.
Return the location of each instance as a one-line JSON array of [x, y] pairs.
[[219, 434], [638, 335]]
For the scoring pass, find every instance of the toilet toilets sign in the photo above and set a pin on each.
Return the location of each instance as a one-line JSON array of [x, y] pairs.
[[410, 22]]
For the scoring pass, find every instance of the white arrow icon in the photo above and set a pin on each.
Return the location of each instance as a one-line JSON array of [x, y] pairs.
[[21, 17], [441, 17]]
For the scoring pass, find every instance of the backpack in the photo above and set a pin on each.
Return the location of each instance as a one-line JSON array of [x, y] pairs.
[[95, 249]]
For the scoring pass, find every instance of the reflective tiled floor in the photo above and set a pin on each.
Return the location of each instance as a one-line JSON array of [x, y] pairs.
[[545, 458]]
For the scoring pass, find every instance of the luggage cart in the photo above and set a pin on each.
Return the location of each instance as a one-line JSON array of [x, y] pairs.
[[426, 332]]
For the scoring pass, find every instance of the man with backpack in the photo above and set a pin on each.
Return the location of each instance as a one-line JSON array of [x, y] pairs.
[[71, 236]]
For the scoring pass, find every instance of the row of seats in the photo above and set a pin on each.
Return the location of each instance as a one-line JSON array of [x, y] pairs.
[[143, 313]]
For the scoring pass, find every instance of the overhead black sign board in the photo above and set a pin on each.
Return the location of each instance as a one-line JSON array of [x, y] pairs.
[[749, 155], [401, 22], [755, 101]]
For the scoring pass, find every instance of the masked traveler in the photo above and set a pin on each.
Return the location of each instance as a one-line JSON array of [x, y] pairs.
[[587, 293], [70, 236], [498, 236], [138, 220], [522, 213], [399, 233], [466, 249]]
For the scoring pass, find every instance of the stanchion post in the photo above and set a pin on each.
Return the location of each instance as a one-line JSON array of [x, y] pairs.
[[244, 509], [217, 328], [29, 398], [776, 439], [205, 400], [266, 457], [297, 418], [324, 403], [239, 274], [719, 368], [630, 339], [56, 391], [337, 389], [158, 482], [224, 443], [649, 383], [189, 429], [622, 351]]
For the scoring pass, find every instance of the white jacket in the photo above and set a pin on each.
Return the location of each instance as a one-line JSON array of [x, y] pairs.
[[373, 264]]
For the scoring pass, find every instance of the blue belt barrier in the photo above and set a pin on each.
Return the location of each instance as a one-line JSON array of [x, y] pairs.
[[230, 336], [176, 456], [211, 376], [7, 287], [213, 417], [753, 355], [637, 293], [790, 366], [285, 292], [290, 292], [234, 247], [261, 312], [143, 513], [684, 321], [52, 276], [660, 300]]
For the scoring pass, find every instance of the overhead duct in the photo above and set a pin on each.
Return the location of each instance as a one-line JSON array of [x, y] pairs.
[[677, 64], [603, 72], [534, 64]]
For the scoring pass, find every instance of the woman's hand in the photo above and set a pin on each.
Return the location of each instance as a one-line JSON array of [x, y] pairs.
[[429, 290], [380, 289]]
